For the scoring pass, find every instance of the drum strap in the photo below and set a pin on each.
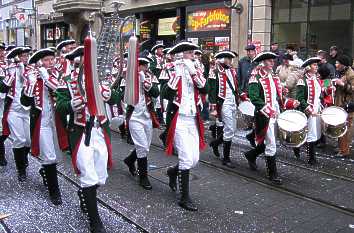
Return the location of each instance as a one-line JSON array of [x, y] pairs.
[[231, 87]]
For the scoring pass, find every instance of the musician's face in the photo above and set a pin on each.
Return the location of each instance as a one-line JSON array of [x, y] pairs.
[[48, 62], [227, 61], [24, 57], [188, 54], [314, 67], [269, 63], [2, 53], [159, 51], [143, 67], [70, 47]]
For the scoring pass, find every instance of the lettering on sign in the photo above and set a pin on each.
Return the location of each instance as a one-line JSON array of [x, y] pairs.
[[211, 19]]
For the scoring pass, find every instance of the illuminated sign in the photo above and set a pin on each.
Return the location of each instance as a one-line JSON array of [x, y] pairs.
[[211, 19], [145, 30], [168, 26]]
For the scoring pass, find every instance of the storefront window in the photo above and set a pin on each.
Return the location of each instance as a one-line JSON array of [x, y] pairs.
[[52, 34], [283, 14], [330, 22], [298, 11]]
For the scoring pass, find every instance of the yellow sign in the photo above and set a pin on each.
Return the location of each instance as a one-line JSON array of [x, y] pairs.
[[212, 19], [167, 26]]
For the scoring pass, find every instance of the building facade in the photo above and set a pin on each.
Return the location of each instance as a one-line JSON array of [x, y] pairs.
[[16, 22]]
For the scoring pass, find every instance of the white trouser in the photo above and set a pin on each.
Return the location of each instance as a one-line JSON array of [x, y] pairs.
[[141, 133], [19, 124], [228, 114], [92, 160], [48, 145], [314, 128], [2, 104], [270, 142], [186, 141]]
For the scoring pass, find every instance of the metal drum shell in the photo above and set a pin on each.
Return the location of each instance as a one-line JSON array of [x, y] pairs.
[[293, 138], [334, 131]]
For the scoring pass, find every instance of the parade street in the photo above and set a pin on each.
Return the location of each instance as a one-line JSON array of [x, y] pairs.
[[311, 199]]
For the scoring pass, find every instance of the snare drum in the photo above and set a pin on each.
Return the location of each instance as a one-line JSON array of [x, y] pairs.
[[334, 122], [292, 128]]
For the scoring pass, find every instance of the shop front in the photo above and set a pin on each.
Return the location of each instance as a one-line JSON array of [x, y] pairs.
[[209, 26], [313, 25], [53, 33]]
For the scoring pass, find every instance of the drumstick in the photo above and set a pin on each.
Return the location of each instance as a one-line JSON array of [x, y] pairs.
[[286, 120]]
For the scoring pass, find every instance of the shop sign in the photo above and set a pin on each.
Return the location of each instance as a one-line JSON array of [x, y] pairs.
[[128, 28], [51, 34], [168, 26], [222, 42], [21, 17], [210, 19], [145, 30]]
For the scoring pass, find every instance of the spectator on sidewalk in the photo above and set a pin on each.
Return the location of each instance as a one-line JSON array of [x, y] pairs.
[[324, 63], [345, 94], [245, 67], [333, 55], [274, 48]]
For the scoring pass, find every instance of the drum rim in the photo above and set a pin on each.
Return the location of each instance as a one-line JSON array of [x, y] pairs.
[[297, 111]]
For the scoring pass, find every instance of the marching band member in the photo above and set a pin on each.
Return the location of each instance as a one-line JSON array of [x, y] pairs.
[[3, 161], [224, 99], [141, 120], [91, 146], [266, 94], [38, 94], [16, 117], [185, 126], [64, 66], [156, 67], [309, 93]]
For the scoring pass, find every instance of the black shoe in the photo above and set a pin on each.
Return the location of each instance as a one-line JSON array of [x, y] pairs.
[[53, 186], [20, 161], [90, 197], [185, 201], [226, 160], [251, 138], [215, 145], [251, 158], [297, 152], [130, 162], [129, 139], [311, 153], [143, 174], [272, 170], [172, 173]]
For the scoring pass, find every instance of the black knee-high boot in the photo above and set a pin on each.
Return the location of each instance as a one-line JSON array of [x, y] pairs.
[[52, 181], [20, 163], [311, 153], [172, 173], [252, 155], [185, 201], [3, 161], [130, 162], [297, 152], [89, 196], [226, 160], [143, 174], [251, 138], [272, 170], [26, 151], [215, 145]]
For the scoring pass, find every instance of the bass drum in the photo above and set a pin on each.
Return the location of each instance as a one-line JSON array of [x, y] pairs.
[[292, 128], [334, 122]]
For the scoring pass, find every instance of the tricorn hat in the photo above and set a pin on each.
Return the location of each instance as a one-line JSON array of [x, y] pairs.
[[226, 53], [183, 46], [78, 52], [264, 56], [310, 61], [40, 54], [64, 43]]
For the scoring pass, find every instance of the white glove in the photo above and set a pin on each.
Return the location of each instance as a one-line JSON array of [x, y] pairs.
[[77, 104], [105, 92], [44, 73], [116, 122], [190, 66]]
